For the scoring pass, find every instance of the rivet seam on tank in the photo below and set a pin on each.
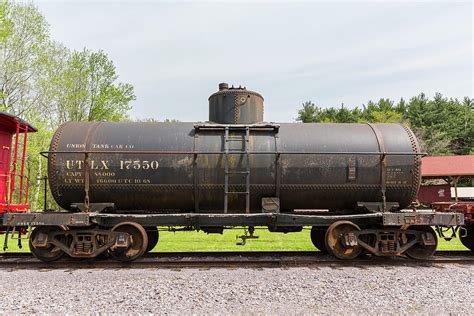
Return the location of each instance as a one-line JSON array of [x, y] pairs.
[[236, 109], [53, 173], [417, 163], [238, 102]]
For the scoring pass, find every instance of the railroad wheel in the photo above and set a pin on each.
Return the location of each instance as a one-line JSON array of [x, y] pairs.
[[137, 244], [48, 253], [420, 251], [153, 237], [468, 240], [318, 237], [334, 242]]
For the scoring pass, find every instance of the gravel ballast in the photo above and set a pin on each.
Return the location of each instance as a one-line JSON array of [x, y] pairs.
[[349, 290]]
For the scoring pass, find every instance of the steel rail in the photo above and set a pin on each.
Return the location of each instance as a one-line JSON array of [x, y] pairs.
[[238, 259], [278, 253]]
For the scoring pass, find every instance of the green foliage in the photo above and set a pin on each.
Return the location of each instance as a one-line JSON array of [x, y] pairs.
[[20, 58], [6, 24], [41, 80], [46, 84], [85, 89], [443, 126], [310, 113], [5, 30], [385, 117]]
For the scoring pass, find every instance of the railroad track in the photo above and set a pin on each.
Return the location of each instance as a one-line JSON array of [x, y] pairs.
[[272, 259]]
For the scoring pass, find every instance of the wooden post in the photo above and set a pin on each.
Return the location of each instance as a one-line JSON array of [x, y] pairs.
[[456, 188]]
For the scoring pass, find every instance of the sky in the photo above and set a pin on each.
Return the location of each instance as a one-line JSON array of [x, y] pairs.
[[176, 53]]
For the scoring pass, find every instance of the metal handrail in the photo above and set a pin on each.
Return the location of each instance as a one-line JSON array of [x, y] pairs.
[[135, 152], [25, 189]]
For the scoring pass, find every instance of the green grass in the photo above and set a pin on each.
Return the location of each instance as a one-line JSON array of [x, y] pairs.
[[200, 241], [454, 244]]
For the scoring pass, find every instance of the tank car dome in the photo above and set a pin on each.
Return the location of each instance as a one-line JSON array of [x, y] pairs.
[[235, 105]]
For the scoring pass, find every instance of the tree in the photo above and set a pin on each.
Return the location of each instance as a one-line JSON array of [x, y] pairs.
[[6, 24], [87, 89], [344, 115], [446, 125], [401, 107], [46, 84], [383, 117], [383, 111], [443, 126], [20, 58], [50, 83], [309, 113]]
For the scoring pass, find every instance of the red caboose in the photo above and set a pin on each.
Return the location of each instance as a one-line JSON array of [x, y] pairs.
[[13, 182]]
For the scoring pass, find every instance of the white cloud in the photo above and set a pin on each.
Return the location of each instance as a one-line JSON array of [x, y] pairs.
[[331, 53]]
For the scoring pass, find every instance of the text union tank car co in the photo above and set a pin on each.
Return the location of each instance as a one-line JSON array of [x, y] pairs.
[[119, 181]]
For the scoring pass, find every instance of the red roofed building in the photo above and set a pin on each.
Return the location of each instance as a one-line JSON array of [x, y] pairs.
[[448, 168]]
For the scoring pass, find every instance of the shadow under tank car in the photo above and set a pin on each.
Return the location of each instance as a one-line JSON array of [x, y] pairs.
[[119, 181]]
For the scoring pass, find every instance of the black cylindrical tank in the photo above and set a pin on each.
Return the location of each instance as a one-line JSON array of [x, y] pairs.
[[188, 173], [235, 105]]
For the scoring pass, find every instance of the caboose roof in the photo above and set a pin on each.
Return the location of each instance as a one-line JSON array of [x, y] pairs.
[[447, 166], [8, 123]]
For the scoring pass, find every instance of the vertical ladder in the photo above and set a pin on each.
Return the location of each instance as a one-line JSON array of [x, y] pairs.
[[228, 172]]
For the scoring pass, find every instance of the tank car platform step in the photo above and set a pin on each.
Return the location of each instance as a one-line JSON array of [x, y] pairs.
[[237, 192], [237, 126]]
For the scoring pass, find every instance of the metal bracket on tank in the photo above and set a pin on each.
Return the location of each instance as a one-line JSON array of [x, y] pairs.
[[383, 165], [93, 207], [271, 205], [277, 166], [86, 182], [196, 170], [375, 207]]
